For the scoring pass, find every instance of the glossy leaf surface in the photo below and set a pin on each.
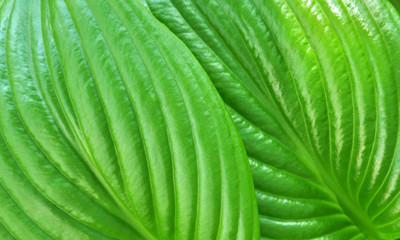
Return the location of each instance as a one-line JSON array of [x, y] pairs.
[[128, 119], [111, 129], [312, 86]]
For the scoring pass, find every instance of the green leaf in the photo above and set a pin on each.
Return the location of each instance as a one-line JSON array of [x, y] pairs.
[[313, 87], [396, 4], [111, 129]]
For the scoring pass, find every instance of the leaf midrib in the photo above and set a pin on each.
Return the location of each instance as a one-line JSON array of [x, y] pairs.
[[349, 207]]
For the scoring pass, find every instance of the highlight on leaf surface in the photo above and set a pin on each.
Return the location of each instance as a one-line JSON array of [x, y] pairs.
[[110, 129], [313, 87], [213, 119]]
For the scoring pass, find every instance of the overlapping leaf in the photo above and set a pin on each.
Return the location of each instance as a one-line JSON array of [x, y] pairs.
[[312, 86], [110, 129]]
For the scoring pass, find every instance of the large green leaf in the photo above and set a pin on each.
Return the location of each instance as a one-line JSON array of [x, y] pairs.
[[111, 129], [313, 87]]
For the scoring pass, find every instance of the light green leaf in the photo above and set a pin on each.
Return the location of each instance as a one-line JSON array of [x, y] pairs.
[[313, 87], [111, 129]]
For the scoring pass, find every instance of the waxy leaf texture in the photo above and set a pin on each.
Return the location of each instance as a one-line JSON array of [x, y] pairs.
[[313, 89], [199, 119]]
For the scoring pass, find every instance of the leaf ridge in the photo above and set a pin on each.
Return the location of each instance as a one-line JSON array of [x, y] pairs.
[[6, 191], [47, 158], [398, 125], [100, 172]]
